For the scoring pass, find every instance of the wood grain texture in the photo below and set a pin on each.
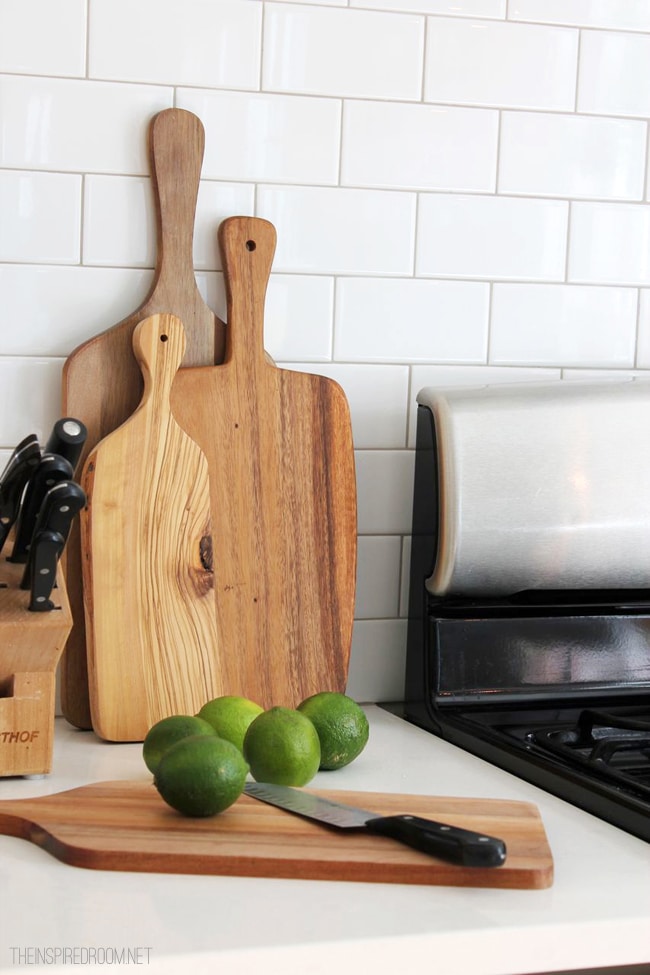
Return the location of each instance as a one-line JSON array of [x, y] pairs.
[[283, 496], [127, 826], [149, 597], [102, 383]]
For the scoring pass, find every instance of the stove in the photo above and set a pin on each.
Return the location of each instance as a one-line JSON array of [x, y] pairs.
[[553, 686]]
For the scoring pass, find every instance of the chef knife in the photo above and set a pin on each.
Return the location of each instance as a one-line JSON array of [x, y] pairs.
[[45, 552], [60, 505], [67, 439], [461, 846], [50, 471], [20, 467]]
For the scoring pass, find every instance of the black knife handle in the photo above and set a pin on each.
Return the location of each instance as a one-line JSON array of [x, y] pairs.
[[47, 547], [60, 505], [67, 439], [450, 843], [51, 470], [22, 464]]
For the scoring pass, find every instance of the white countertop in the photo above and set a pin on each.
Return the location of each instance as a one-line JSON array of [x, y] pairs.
[[597, 913]]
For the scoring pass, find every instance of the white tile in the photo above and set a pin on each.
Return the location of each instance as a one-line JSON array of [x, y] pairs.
[[212, 289], [631, 15], [411, 320], [30, 397], [384, 491], [298, 317], [377, 661], [216, 201], [378, 577], [563, 325], [643, 341], [377, 397], [204, 43], [79, 126], [572, 155], [119, 221], [443, 377], [491, 237], [328, 51], [51, 310], [452, 8], [610, 243], [253, 136], [46, 37], [332, 230], [41, 217], [418, 146], [613, 76], [503, 64]]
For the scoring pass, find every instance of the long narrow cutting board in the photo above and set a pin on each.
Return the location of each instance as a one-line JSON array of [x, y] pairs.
[[283, 495], [153, 648], [127, 826], [102, 384]]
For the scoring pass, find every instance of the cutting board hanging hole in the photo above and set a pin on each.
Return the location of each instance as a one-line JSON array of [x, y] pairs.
[[250, 245], [163, 338]]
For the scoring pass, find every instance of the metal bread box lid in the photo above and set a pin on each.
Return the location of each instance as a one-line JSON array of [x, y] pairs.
[[541, 486]]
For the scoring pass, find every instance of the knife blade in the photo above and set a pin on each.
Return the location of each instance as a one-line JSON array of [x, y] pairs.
[[20, 467], [451, 843], [60, 506], [45, 552], [50, 471], [67, 439]]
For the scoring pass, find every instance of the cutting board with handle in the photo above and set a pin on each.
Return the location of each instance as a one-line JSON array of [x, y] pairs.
[[282, 495], [127, 826], [102, 382], [151, 631]]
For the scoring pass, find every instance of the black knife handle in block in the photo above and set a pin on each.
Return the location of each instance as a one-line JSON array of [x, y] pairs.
[[67, 439], [46, 551], [450, 843], [22, 464], [60, 505], [51, 470]]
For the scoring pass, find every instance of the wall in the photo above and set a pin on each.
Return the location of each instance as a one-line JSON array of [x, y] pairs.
[[460, 192]]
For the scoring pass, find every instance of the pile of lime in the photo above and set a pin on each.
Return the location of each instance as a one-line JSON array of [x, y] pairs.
[[200, 762]]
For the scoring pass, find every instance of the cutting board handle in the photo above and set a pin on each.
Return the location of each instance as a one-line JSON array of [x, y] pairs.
[[247, 246], [159, 346]]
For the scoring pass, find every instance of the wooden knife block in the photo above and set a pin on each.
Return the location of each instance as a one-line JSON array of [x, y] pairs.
[[31, 645]]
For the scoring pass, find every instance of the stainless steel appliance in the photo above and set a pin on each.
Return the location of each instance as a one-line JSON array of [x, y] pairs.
[[538, 661]]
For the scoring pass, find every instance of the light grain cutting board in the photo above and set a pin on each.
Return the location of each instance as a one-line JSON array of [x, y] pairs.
[[283, 495], [127, 826], [153, 648], [102, 383]]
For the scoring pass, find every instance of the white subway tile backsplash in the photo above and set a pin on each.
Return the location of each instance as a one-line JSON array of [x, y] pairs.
[[253, 136], [411, 320], [40, 217], [378, 577], [631, 15], [481, 62], [572, 155], [613, 76], [452, 8], [384, 491], [214, 44], [491, 237], [77, 125], [30, 397], [216, 201], [55, 309], [610, 243], [377, 661], [43, 36], [563, 325], [340, 231], [377, 396], [643, 342], [418, 146], [298, 317], [328, 51]]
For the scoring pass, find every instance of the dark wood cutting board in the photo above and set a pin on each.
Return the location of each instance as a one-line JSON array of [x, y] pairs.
[[127, 826], [102, 382]]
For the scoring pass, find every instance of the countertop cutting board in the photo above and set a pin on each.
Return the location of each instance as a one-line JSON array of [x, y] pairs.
[[127, 826]]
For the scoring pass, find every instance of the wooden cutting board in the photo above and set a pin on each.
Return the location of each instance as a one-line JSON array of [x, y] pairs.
[[150, 614], [127, 826], [283, 495], [102, 383]]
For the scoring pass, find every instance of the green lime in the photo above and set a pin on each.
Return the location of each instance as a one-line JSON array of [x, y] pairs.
[[167, 732], [281, 746], [341, 724], [201, 775], [230, 717]]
